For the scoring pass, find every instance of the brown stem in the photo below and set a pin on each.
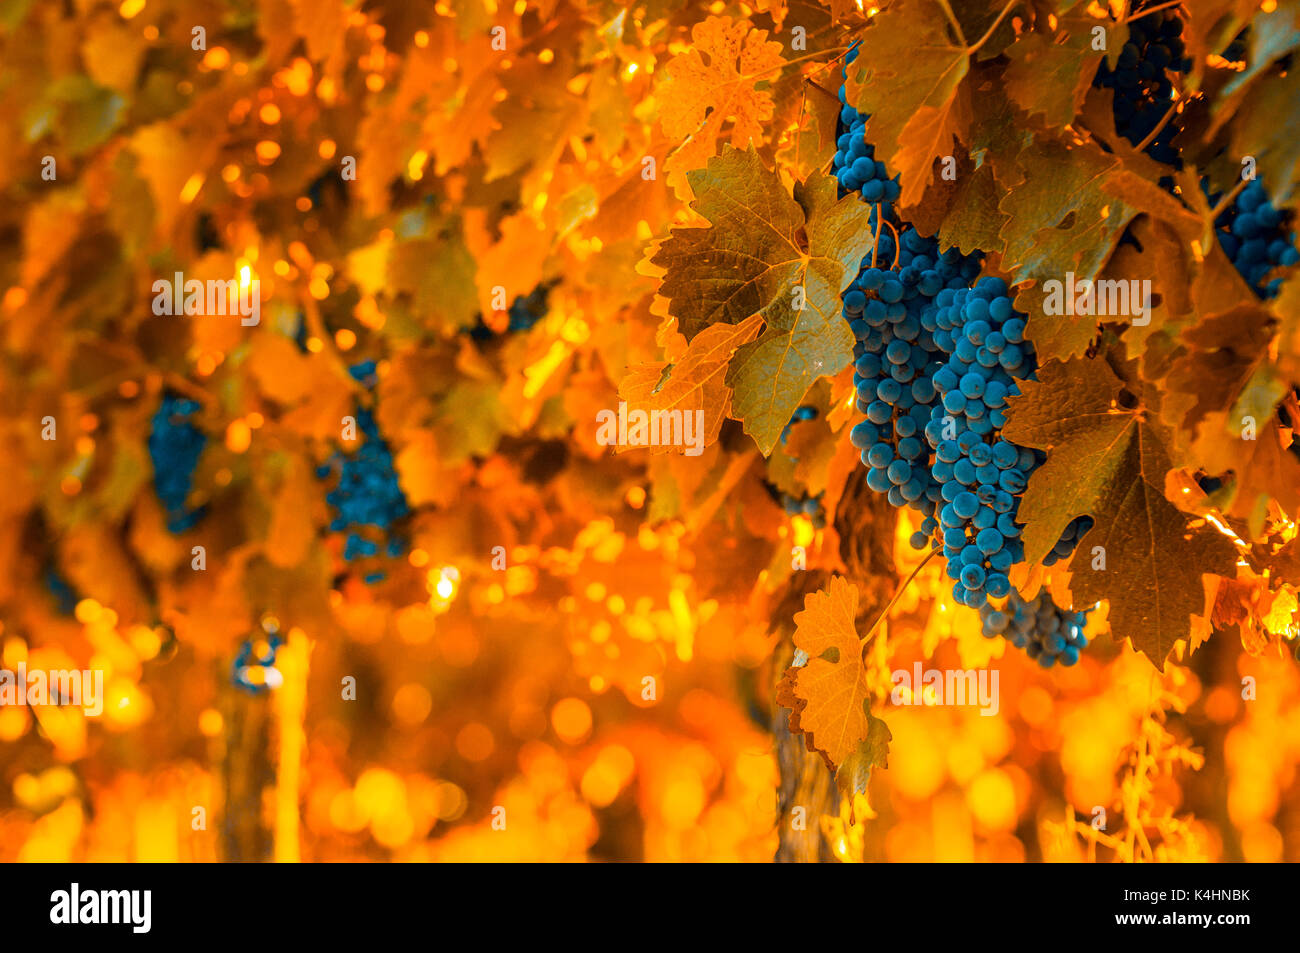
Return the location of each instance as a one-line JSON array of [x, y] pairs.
[[989, 32], [1227, 200], [901, 589], [1164, 121], [1156, 9]]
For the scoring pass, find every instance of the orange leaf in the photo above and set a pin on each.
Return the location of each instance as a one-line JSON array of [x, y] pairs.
[[697, 381], [833, 684], [699, 96]]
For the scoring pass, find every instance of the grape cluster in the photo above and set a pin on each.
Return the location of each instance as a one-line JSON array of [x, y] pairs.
[[1047, 633], [855, 165], [809, 506], [368, 499], [803, 412], [1257, 238], [895, 359], [175, 446], [981, 475], [1141, 82], [936, 357], [527, 310]]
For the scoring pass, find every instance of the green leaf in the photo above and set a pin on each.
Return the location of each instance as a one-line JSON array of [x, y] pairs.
[[770, 376]]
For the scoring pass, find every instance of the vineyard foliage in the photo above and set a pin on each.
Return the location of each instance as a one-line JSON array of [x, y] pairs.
[[381, 567]]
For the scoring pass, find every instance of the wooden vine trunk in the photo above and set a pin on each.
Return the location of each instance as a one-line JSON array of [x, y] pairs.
[[246, 773]]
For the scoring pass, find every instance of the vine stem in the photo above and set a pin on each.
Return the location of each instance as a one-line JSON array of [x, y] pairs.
[[841, 50], [1156, 9], [290, 708], [953, 21], [1227, 200], [880, 220], [875, 244], [897, 595], [1164, 121], [898, 244], [813, 82], [989, 32], [803, 103]]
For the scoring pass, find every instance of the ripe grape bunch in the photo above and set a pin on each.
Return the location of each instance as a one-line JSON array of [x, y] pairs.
[[889, 308], [175, 446], [856, 166], [1047, 633], [1258, 238], [895, 359], [809, 506], [1144, 91], [801, 413], [981, 475], [935, 361], [368, 498]]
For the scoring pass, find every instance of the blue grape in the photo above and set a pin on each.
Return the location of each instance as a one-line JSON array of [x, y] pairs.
[[65, 596], [1048, 633], [175, 446], [367, 498], [1257, 238], [801, 413], [525, 311], [1141, 80]]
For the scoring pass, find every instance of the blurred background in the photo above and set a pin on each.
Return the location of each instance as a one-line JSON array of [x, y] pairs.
[[458, 628]]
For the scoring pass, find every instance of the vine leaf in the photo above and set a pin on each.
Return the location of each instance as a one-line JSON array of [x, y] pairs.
[[828, 696], [697, 381], [714, 81], [786, 259], [964, 211], [1049, 74], [908, 79], [770, 376], [1110, 463], [1221, 379], [1262, 126], [1068, 215]]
